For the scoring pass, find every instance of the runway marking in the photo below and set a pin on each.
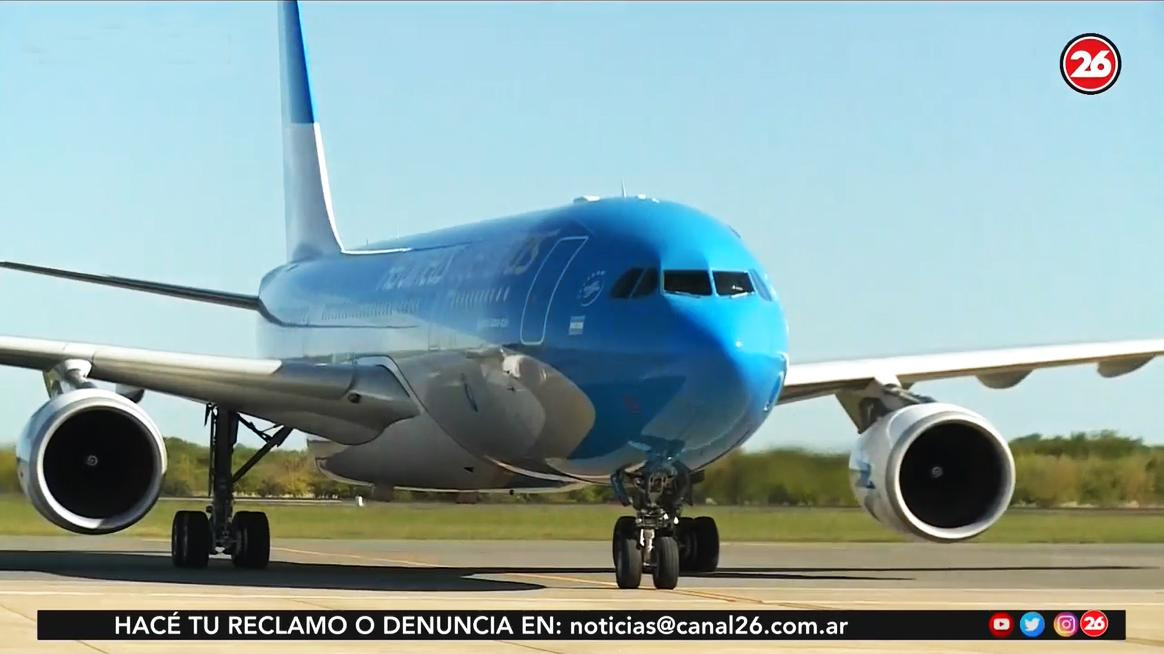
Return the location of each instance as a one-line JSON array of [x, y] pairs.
[[536, 649], [33, 621], [317, 605], [578, 580], [712, 595], [14, 611], [804, 606], [419, 564], [360, 557]]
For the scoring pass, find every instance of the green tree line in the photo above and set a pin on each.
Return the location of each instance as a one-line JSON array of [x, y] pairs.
[[1101, 468]]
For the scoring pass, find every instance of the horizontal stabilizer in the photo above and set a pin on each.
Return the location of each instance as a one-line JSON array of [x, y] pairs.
[[238, 300]]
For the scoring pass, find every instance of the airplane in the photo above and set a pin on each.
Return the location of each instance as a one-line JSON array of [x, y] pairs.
[[626, 341]]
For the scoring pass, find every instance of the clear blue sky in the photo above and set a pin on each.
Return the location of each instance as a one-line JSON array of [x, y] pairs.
[[914, 177]]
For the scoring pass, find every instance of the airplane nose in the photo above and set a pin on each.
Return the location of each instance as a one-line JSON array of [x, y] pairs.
[[730, 354], [740, 350]]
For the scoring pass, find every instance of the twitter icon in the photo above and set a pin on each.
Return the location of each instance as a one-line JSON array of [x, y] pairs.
[[1031, 624]]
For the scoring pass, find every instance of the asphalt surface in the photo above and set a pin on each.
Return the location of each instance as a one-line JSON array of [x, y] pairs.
[[125, 573]]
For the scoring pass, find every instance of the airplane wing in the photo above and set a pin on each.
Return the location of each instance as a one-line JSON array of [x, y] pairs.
[[349, 403], [225, 298], [1001, 368]]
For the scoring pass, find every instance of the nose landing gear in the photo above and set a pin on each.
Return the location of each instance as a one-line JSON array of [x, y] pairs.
[[656, 539]]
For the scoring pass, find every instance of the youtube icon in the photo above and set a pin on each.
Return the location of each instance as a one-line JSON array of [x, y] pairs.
[[1001, 625]]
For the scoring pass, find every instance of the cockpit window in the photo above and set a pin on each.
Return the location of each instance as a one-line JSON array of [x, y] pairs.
[[761, 285], [732, 283], [625, 284], [648, 283], [687, 282]]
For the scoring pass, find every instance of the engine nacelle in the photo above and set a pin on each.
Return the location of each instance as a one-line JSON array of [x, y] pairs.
[[91, 461], [936, 471]]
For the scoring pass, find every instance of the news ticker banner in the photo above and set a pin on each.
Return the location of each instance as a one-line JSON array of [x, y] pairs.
[[1020, 624]]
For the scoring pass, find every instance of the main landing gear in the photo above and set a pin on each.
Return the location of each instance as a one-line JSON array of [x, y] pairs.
[[245, 535], [656, 539]]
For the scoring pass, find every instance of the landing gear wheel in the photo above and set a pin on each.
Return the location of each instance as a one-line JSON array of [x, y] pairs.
[[624, 528], [688, 545], [698, 544], [251, 535], [190, 539], [628, 559], [665, 568], [706, 544]]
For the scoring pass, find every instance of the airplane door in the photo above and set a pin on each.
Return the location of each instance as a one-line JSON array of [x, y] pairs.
[[545, 283]]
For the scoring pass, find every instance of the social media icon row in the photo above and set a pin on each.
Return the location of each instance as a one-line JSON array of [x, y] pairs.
[[1066, 624]]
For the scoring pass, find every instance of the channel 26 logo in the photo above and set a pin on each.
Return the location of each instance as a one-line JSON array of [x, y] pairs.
[[1090, 63], [1093, 623]]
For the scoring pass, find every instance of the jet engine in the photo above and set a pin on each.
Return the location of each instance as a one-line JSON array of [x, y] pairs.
[[936, 471], [91, 461]]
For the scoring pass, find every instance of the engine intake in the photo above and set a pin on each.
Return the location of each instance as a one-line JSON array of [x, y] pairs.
[[936, 471], [91, 461]]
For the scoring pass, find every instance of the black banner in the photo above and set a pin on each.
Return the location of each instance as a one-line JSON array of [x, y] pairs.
[[1014, 624]]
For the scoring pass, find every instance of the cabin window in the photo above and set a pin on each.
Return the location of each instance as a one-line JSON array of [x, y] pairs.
[[687, 282], [625, 284], [732, 283], [648, 283], [761, 285]]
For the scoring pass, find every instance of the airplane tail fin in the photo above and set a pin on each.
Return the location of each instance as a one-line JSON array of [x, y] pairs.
[[306, 195]]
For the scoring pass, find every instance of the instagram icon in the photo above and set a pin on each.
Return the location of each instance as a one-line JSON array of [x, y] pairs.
[[1066, 624]]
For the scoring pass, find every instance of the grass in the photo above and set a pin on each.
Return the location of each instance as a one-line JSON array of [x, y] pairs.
[[594, 522]]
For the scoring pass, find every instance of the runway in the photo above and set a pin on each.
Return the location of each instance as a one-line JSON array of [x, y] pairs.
[[126, 573]]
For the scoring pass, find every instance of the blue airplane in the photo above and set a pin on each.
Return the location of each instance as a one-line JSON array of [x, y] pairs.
[[621, 341]]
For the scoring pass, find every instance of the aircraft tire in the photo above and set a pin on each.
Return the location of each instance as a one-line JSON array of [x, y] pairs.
[[707, 544], [688, 540], [624, 528], [190, 539], [628, 558], [252, 540], [665, 571]]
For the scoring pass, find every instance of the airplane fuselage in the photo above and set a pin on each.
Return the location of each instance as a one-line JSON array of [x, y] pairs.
[[546, 348]]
